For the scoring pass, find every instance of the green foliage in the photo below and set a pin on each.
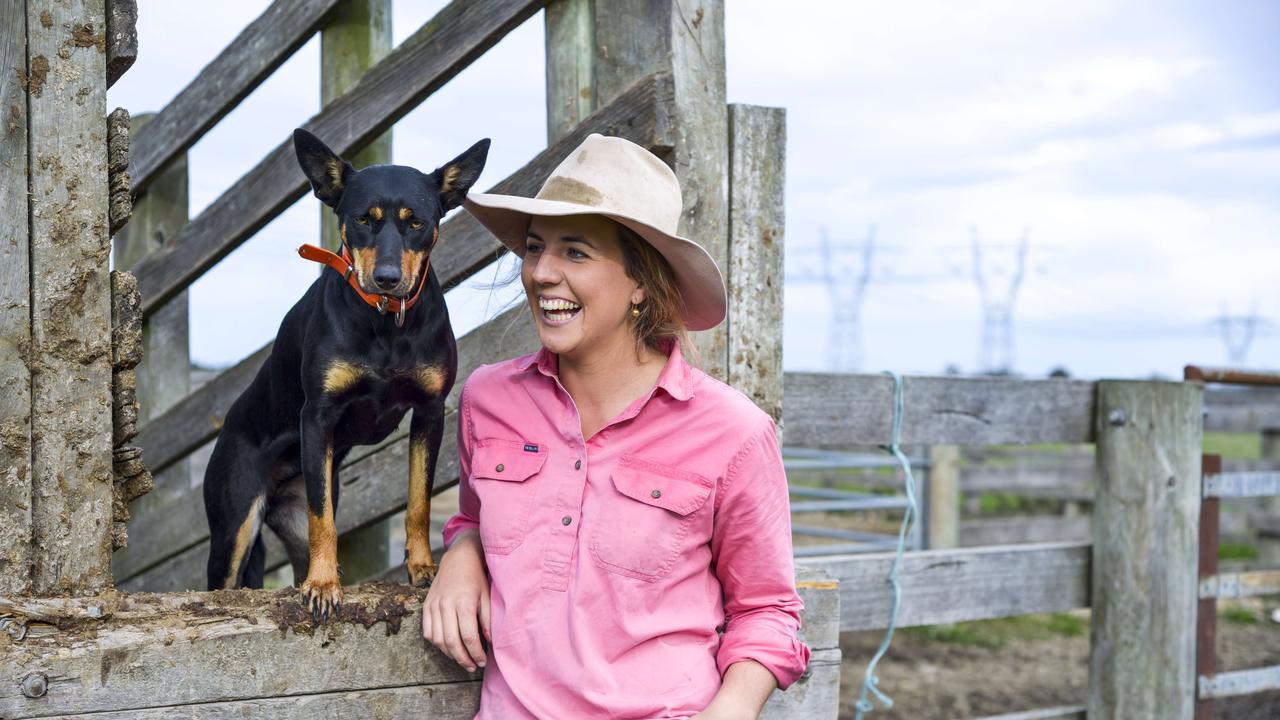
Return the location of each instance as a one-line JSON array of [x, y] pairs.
[[996, 633], [1235, 446], [1238, 615], [1237, 551]]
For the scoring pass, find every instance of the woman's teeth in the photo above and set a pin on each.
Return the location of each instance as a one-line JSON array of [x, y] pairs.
[[558, 311]]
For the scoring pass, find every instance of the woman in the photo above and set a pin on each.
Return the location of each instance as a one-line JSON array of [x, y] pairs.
[[626, 506]]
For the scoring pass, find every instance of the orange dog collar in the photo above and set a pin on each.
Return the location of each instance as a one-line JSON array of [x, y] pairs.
[[345, 267]]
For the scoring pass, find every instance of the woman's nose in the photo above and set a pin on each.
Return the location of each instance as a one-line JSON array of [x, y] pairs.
[[545, 270]]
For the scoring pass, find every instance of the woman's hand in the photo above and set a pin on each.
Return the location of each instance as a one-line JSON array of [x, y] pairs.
[[456, 610]]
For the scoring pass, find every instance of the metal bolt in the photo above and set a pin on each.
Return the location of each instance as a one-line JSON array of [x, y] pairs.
[[35, 685], [1117, 417]]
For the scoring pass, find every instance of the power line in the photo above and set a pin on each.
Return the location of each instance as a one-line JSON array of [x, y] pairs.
[[996, 355], [1238, 333]]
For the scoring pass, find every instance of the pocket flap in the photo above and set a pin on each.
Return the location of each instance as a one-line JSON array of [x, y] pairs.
[[661, 486], [509, 460]]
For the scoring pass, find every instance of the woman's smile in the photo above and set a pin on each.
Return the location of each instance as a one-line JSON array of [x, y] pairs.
[[558, 311]]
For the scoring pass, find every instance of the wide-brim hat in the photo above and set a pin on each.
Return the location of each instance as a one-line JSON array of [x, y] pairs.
[[622, 181]]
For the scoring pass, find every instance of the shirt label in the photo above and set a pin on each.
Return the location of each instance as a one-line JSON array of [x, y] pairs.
[[530, 448]]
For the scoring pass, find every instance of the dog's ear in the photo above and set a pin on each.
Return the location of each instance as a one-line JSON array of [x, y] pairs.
[[327, 172], [457, 175]]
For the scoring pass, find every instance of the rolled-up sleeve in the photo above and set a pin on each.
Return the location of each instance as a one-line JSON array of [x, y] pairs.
[[468, 515], [751, 549]]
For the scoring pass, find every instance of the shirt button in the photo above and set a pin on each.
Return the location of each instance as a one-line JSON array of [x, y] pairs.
[[577, 465], [500, 467], [566, 520], [655, 494]]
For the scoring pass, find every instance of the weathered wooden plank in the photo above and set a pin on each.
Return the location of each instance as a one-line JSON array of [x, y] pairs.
[[373, 485], [570, 53], [439, 701], [122, 38], [1239, 585], [942, 504], [432, 56], [15, 313], [1240, 682], [832, 410], [152, 651], [1241, 409], [640, 115], [1064, 712], [70, 358], [1145, 551], [1073, 480], [242, 65], [757, 220], [356, 35], [1018, 530], [945, 586], [686, 39], [164, 375]]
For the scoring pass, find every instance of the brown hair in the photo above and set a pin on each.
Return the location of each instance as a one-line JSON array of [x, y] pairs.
[[661, 319]]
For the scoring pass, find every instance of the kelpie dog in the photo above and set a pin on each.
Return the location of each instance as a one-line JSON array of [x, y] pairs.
[[365, 344]]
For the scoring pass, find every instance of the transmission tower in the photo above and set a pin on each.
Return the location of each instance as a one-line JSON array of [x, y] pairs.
[[1237, 334], [997, 307], [845, 291]]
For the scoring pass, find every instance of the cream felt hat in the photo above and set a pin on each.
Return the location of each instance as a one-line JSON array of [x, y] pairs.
[[622, 181]]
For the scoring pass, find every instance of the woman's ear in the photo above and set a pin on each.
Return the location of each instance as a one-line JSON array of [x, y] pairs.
[[637, 295]]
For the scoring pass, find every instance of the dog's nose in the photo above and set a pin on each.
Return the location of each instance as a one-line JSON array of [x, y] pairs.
[[386, 277]]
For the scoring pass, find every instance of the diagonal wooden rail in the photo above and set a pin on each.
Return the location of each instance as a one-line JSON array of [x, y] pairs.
[[264, 45], [432, 56]]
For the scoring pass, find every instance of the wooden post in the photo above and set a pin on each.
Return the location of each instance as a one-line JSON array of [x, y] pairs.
[[15, 314], [942, 503], [634, 38], [70, 296], [164, 375], [1268, 542], [757, 219], [571, 88], [358, 36], [1145, 550]]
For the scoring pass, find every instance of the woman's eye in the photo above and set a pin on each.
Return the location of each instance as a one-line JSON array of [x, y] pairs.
[[533, 248], [576, 254], [415, 224], [363, 219]]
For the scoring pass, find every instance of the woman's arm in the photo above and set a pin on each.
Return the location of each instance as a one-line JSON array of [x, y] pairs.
[[456, 610], [743, 692], [751, 549]]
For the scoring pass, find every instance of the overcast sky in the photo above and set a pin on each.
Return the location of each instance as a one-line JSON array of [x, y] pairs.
[[1136, 144]]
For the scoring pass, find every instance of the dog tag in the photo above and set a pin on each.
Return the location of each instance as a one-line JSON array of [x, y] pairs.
[[531, 448]]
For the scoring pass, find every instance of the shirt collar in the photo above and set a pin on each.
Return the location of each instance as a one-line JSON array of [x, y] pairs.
[[676, 377]]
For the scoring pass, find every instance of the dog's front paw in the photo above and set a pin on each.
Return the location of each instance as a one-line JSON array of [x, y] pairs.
[[421, 571], [322, 597]]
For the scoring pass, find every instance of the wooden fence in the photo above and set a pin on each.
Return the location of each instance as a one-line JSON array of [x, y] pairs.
[[652, 71]]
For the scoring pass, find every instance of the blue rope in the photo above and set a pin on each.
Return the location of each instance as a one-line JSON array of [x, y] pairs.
[[870, 683]]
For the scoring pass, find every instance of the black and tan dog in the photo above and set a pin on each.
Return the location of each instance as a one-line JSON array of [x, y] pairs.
[[366, 344]]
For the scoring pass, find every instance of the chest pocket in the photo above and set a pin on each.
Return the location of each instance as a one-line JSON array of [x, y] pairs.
[[645, 523], [502, 475]]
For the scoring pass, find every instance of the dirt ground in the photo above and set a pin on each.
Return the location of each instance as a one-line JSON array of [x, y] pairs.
[[929, 678]]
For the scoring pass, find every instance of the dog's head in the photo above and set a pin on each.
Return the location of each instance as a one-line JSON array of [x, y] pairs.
[[388, 215]]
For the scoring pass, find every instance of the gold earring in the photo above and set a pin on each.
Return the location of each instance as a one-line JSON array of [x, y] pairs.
[[635, 311]]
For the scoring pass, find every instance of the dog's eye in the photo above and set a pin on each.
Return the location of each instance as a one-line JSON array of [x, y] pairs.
[[415, 224], [363, 219]]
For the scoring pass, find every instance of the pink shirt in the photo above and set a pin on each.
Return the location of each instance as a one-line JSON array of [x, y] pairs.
[[616, 562]]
